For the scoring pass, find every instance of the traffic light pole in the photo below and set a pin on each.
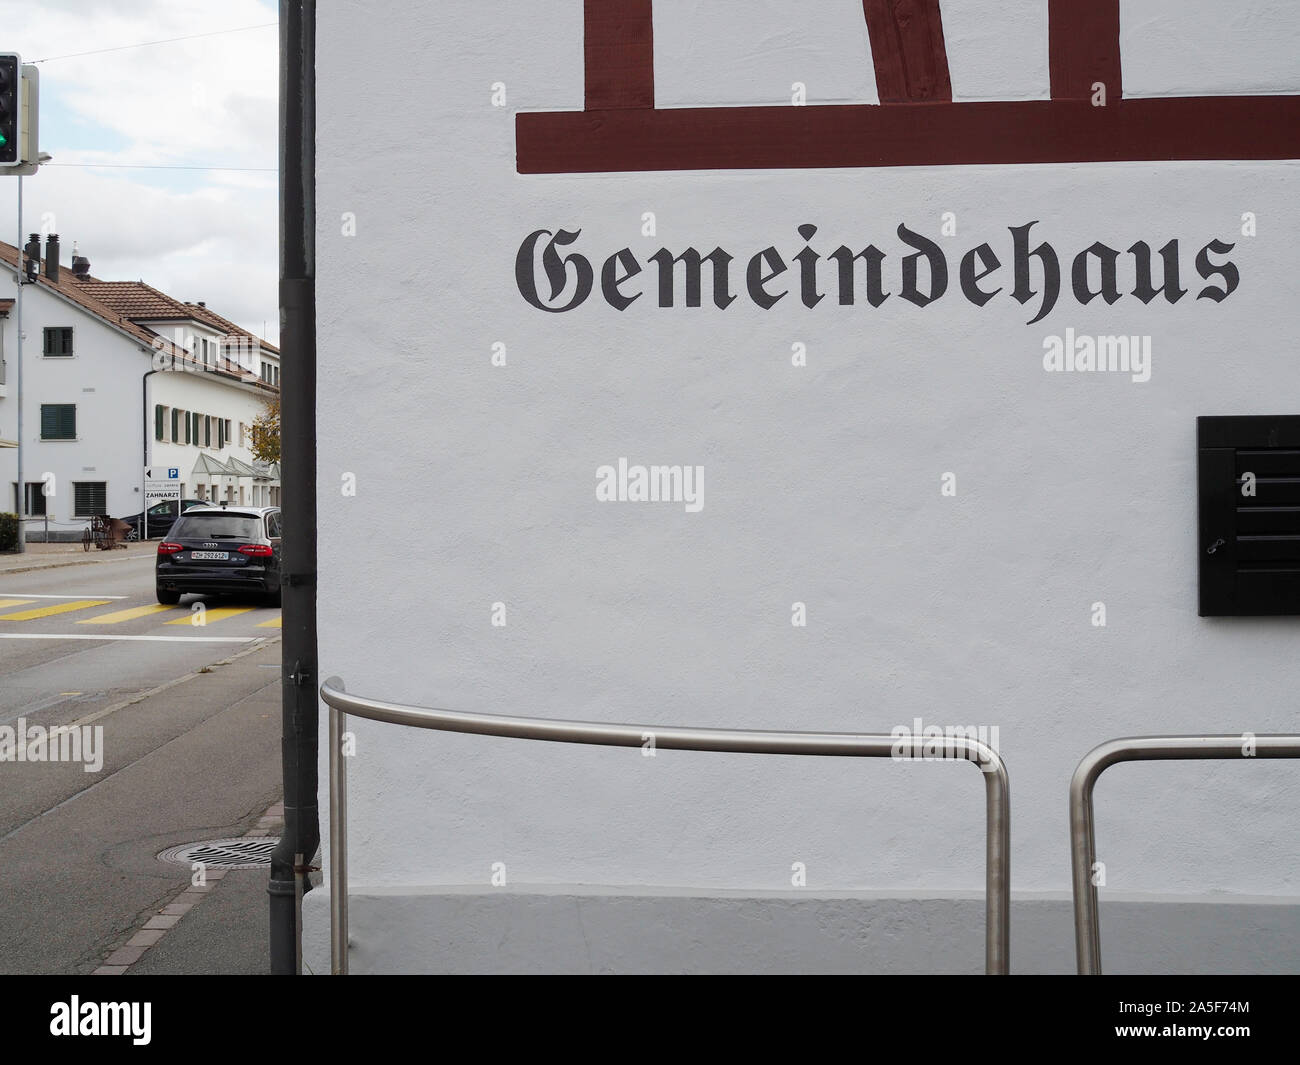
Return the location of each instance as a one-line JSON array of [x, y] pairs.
[[18, 311], [292, 858]]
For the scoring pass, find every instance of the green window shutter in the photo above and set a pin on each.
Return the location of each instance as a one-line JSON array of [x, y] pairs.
[[157, 421], [176, 425], [221, 434], [57, 341], [188, 423], [207, 430], [58, 421]]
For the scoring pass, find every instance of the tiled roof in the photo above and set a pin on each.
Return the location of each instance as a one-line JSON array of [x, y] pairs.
[[144, 303], [133, 299], [125, 304]]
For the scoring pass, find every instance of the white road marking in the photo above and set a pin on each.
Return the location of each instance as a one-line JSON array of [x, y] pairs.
[[32, 595], [144, 639]]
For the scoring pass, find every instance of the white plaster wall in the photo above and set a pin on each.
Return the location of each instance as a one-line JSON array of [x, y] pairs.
[[996, 51], [822, 486], [753, 51], [1198, 47]]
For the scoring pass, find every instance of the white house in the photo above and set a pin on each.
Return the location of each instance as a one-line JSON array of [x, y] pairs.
[[118, 376], [930, 304]]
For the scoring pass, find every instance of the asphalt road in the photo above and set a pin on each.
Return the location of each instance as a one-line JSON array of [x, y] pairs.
[[64, 631], [186, 700]]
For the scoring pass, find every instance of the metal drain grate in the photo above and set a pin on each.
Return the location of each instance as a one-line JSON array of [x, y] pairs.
[[226, 853]]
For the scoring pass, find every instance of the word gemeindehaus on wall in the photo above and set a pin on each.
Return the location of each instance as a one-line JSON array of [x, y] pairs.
[[1095, 271]]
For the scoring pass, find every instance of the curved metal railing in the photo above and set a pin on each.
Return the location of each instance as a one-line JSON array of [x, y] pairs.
[[1083, 843], [997, 871]]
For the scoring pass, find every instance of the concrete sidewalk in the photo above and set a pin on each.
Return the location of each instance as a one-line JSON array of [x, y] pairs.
[[55, 556]]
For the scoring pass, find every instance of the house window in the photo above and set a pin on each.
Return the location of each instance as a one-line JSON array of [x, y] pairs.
[[58, 341], [89, 498], [58, 421], [34, 498], [276, 371]]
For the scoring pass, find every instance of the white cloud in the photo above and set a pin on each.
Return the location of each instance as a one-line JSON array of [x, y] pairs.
[[197, 235]]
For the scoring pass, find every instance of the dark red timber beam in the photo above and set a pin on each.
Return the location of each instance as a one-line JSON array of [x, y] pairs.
[[916, 123], [1083, 48], [869, 135], [908, 50], [619, 52]]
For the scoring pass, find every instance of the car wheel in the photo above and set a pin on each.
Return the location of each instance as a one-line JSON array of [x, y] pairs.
[[168, 598]]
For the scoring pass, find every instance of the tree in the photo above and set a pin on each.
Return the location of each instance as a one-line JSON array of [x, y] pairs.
[[266, 432]]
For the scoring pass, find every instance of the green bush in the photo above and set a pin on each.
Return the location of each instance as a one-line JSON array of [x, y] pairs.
[[8, 532]]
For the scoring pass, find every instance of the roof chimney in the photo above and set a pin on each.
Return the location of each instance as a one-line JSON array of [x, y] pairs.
[[52, 258], [32, 255], [80, 267]]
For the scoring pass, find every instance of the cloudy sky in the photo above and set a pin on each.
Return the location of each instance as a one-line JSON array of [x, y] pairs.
[[122, 124]]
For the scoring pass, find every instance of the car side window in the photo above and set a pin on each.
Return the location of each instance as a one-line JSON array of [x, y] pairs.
[[273, 525]]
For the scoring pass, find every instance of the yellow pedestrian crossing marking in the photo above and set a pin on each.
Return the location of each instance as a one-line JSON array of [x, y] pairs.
[[126, 615], [274, 623], [50, 611], [14, 602], [219, 613]]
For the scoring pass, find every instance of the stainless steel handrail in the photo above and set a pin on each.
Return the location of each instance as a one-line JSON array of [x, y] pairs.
[[1083, 844], [997, 870]]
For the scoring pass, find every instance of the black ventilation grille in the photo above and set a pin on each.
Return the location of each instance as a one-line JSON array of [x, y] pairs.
[[1249, 490]]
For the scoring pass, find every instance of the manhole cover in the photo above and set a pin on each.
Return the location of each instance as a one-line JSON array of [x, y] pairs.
[[226, 853]]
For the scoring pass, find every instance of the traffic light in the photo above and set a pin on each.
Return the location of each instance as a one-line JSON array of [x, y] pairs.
[[11, 108]]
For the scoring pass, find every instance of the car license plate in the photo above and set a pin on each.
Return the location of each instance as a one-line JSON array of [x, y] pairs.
[[210, 556]]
